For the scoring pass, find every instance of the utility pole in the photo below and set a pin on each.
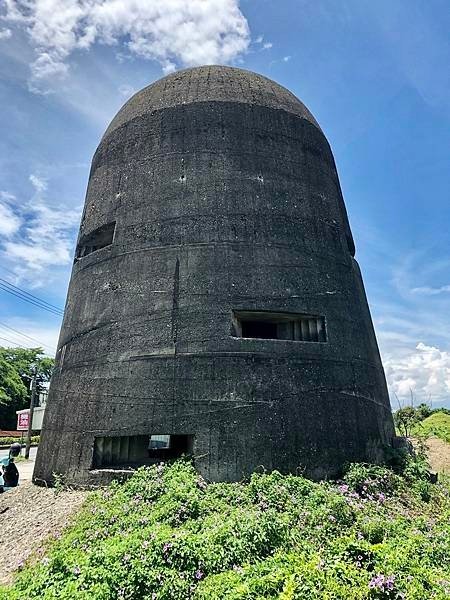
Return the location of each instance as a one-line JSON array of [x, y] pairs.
[[30, 418]]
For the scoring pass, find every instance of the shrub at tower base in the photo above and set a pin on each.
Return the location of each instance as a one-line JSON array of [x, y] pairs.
[[167, 534]]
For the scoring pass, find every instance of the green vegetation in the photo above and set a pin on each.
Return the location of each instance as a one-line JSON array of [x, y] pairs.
[[409, 420], [167, 535], [437, 425], [16, 367], [7, 441]]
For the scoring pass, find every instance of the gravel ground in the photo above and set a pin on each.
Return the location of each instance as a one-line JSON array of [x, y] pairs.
[[29, 515]]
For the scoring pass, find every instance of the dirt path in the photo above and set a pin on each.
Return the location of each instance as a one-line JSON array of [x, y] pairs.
[[29, 515], [438, 455]]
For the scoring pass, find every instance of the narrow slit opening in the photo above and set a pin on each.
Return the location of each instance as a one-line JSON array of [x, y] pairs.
[[95, 240], [279, 326], [137, 450]]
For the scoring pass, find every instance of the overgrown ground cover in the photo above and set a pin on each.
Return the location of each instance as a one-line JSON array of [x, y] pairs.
[[437, 424], [166, 534]]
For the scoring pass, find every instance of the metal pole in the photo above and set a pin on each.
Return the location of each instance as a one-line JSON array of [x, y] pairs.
[[30, 418]]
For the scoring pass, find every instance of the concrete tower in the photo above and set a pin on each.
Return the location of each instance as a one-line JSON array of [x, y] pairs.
[[215, 306]]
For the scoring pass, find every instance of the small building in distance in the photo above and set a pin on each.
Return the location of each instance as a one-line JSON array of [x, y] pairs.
[[215, 307]]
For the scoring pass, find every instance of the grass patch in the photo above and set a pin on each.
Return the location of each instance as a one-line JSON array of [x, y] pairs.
[[168, 535], [437, 425]]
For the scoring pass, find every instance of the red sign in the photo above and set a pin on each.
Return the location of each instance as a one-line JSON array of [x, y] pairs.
[[23, 418]]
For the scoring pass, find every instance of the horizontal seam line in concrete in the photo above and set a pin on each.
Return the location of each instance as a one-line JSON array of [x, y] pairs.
[[210, 354], [308, 118], [193, 245]]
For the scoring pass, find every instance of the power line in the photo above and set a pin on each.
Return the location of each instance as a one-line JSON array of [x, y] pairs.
[[12, 289], [11, 342], [29, 294], [25, 299], [32, 296], [26, 336]]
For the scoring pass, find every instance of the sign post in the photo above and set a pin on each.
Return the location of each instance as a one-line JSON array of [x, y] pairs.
[[30, 414], [23, 419]]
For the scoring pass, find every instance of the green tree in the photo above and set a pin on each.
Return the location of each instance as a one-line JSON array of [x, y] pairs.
[[16, 371], [424, 411], [405, 418]]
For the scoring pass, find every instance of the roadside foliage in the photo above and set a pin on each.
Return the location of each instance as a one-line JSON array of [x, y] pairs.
[[167, 534]]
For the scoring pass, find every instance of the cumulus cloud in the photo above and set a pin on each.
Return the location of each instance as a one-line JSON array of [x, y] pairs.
[[425, 372], [174, 32], [38, 235]]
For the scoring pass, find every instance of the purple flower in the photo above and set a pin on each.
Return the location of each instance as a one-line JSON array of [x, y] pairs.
[[382, 583], [199, 574], [389, 582]]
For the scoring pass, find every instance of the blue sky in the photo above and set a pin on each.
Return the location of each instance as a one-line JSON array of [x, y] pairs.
[[376, 76]]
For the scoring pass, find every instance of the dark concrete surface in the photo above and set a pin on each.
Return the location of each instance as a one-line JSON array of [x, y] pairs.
[[225, 197]]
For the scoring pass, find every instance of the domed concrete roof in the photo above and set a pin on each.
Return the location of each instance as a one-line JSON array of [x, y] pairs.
[[209, 84]]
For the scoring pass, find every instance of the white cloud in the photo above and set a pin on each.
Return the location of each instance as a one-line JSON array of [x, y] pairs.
[[9, 221], [431, 291], [40, 234], [126, 90], [286, 58], [5, 34], [44, 335], [425, 372], [39, 183], [263, 45], [174, 32]]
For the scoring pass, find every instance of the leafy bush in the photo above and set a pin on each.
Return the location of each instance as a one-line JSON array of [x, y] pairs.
[[405, 418], [7, 441], [168, 535]]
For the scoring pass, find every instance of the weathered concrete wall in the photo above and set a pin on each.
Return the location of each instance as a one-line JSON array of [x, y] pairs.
[[226, 197]]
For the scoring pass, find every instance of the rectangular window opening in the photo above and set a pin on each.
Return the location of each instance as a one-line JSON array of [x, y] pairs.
[[95, 240], [136, 450], [279, 326]]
